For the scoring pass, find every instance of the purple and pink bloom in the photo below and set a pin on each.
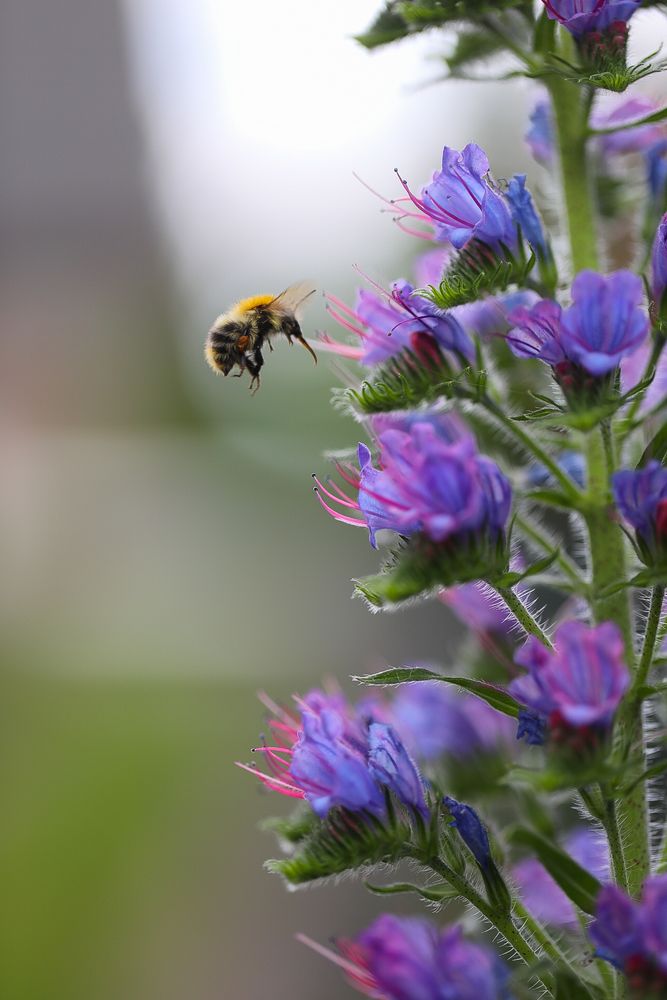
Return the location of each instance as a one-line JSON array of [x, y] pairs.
[[387, 323], [424, 484], [605, 323], [330, 757], [633, 935], [583, 16], [408, 958], [641, 498], [576, 689], [463, 205], [471, 830]]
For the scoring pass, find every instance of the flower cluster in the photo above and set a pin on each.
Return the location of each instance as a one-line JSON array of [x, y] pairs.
[[410, 959], [525, 498]]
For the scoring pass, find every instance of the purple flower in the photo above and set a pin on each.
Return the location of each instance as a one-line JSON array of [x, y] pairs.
[[391, 766], [430, 266], [656, 171], [387, 324], [489, 317], [531, 727], [525, 215], [605, 321], [629, 140], [571, 462], [641, 498], [633, 936], [424, 317], [543, 896], [479, 609], [462, 203], [329, 771], [540, 135], [471, 829], [536, 332], [433, 721], [604, 324], [578, 685], [426, 485], [408, 958], [583, 16], [659, 262], [332, 756]]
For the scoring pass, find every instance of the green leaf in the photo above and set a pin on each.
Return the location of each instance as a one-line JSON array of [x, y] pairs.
[[388, 27], [544, 38], [471, 46], [292, 829], [570, 987], [493, 696], [345, 841], [511, 579], [440, 892], [655, 116], [577, 883], [656, 448]]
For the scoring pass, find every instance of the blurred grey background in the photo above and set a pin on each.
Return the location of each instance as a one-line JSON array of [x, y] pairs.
[[163, 555]]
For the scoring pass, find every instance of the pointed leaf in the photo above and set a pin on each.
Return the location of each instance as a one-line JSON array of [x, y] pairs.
[[577, 883], [493, 696]]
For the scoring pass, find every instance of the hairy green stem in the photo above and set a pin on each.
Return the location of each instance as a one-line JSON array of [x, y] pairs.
[[501, 921], [650, 635], [523, 615], [571, 105], [568, 567], [608, 568], [532, 445]]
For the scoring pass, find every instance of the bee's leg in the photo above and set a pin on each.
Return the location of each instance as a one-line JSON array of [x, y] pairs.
[[254, 363]]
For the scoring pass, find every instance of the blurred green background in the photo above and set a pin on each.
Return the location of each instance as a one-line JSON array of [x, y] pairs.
[[163, 555]]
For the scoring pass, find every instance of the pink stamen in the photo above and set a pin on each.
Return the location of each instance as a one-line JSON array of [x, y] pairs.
[[272, 782], [341, 305], [409, 231], [341, 493], [345, 322], [326, 343], [348, 474], [357, 973], [345, 501], [339, 517]]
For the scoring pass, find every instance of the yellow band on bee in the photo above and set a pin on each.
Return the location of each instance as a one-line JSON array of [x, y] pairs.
[[245, 305]]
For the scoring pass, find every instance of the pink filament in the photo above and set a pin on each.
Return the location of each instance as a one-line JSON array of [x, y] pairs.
[[339, 517]]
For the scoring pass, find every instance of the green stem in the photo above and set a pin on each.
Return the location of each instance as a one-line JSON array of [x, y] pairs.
[[501, 921], [571, 106], [650, 635], [568, 567], [615, 846], [523, 615], [608, 567], [532, 445]]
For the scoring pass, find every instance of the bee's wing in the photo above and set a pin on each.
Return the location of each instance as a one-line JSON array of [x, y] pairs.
[[293, 297]]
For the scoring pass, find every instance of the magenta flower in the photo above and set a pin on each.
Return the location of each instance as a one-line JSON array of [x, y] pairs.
[[605, 323], [331, 756], [387, 324], [408, 958], [426, 485], [633, 936], [579, 685], [583, 16], [463, 204], [641, 498]]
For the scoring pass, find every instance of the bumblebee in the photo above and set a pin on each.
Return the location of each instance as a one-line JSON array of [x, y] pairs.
[[237, 337]]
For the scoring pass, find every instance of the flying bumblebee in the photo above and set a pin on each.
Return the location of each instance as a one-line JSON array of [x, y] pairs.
[[237, 337]]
